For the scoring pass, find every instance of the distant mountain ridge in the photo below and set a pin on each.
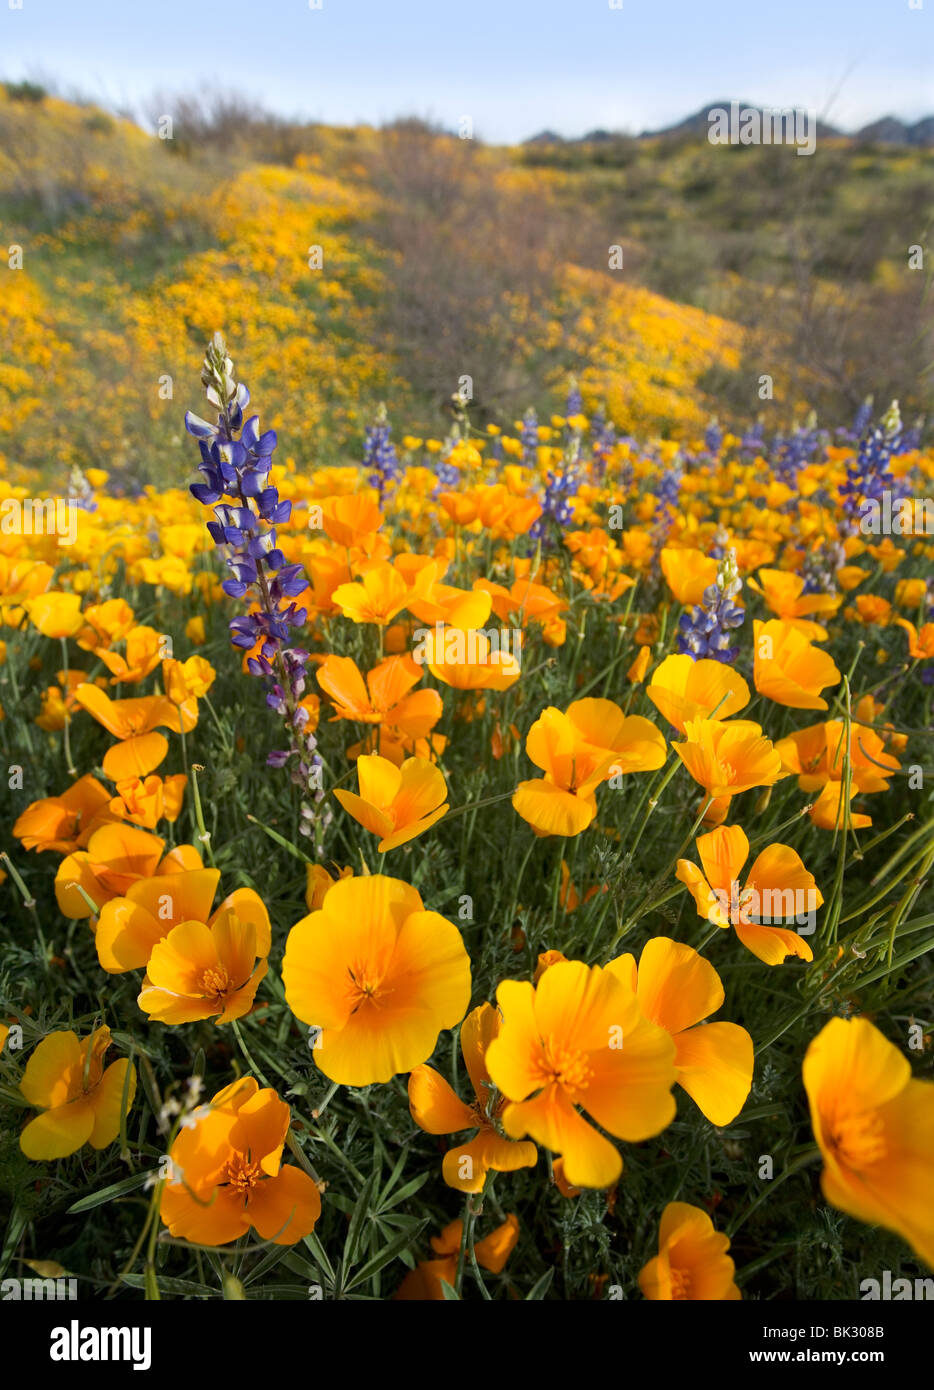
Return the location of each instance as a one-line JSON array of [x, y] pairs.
[[887, 130]]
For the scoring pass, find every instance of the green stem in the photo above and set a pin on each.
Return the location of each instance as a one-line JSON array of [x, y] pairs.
[[69, 763]]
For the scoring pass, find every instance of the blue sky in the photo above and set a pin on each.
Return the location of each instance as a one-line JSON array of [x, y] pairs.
[[512, 66]]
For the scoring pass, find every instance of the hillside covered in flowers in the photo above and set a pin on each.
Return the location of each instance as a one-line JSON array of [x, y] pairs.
[[469, 845]]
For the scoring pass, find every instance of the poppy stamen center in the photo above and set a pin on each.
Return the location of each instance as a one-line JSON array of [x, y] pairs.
[[242, 1174], [858, 1139], [214, 982], [364, 986], [567, 1066]]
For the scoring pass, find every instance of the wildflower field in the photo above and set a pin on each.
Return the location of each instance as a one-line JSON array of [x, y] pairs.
[[492, 864]]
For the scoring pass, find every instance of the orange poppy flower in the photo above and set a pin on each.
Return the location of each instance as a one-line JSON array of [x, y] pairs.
[[874, 1124], [199, 971], [692, 1263], [682, 689], [55, 614], [187, 680], [459, 608], [578, 1038], [525, 600], [636, 673], [505, 515], [688, 573], [467, 660], [424, 1282], [227, 1176], [327, 573], [20, 580], [146, 801], [778, 887], [116, 856], [58, 701], [920, 644], [135, 723], [727, 758], [515, 519], [870, 610], [350, 520], [318, 882], [850, 577], [376, 597], [461, 507], [911, 593], [379, 975], [817, 755], [143, 654], [437, 1109], [65, 823], [81, 1102], [827, 812], [677, 989], [784, 594], [396, 803], [577, 750], [105, 624], [788, 668], [133, 924], [387, 698]]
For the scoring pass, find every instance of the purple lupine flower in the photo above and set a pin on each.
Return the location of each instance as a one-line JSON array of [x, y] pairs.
[[868, 477], [863, 418], [529, 437], [379, 455], [666, 493], [575, 401], [820, 567], [557, 504], [705, 631], [721, 543], [861, 421], [713, 438], [790, 455], [236, 460], [448, 475], [909, 440], [753, 441], [603, 442]]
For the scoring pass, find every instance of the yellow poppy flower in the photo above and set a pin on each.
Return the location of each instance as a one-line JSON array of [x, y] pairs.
[[727, 758], [788, 668], [874, 1124], [692, 1263], [578, 1038], [379, 976], [80, 1100], [577, 750], [677, 989], [200, 970], [778, 886], [396, 803], [227, 1176], [682, 689], [437, 1109]]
